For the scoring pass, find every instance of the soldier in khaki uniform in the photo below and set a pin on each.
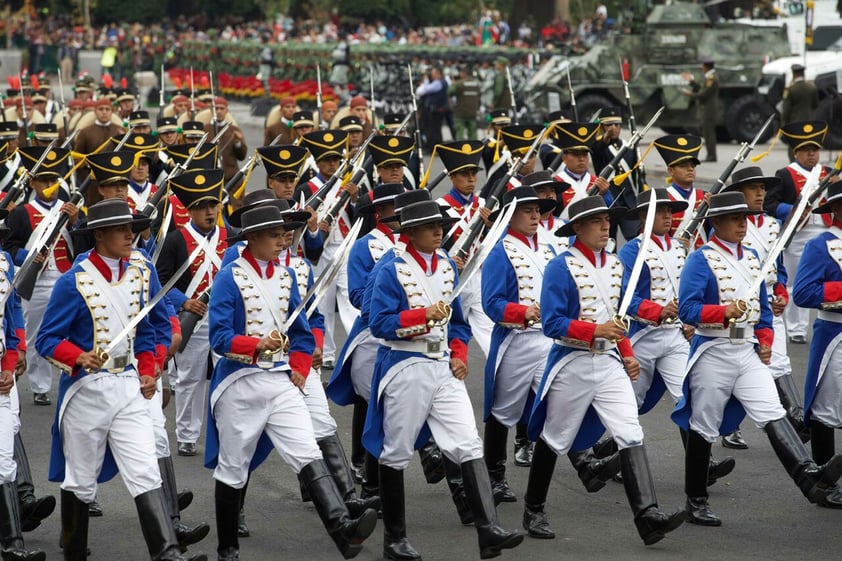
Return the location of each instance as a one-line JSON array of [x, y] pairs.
[[800, 99], [705, 95]]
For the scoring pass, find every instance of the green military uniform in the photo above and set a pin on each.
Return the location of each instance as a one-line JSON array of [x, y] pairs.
[[706, 95], [467, 93], [502, 99], [800, 100]]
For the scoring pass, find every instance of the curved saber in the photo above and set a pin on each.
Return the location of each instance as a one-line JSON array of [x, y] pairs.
[[634, 277]]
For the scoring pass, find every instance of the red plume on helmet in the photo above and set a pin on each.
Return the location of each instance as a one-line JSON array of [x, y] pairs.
[[107, 81], [14, 82], [124, 83], [177, 81], [36, 85]]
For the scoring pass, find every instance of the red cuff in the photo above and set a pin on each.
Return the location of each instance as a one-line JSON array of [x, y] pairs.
[[515, 313], [301, 362], [765, 336], [416, 316], [319, 336], [567, 196], [67, 353], [244, 345], [650, 311], [9, 361], [146, 363], [459, 350], [581, 330], [713, 314], [625, 347], [780, 290], [833, 291], [176, 325], [21, 333], [161, 355]]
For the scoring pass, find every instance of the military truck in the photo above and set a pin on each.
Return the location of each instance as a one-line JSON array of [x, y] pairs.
[[653, 55]]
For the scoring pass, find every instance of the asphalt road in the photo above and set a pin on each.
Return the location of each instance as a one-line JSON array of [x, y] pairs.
[[765, 516]]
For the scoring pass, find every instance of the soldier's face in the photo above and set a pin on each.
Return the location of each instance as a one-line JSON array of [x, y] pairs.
[[355, 138], [425, 238], [288, 110], [328, 114], [464, 181], [546, 193], [140, 173], [118, 190], [526, 219], [576, 160], [301, 130], [593, 231], [663, 220], [266, 245], [730, 228], [391, 173], [283, 186], [328, 165], [808, 156], [755, 194], [361, 112], [181, 107], [168, 138], [683, 173], [103, 113], [204, 215], [142, 129], [529, 165], [115, 241], [385, 210], [127, 105]]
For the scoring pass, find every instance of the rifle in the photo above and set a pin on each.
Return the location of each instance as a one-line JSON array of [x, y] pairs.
[[23, 114], [334, 211], [572, 96], [192, 96], [613, 166], [63, 107], [511, 95], [213, 104], [189, 321], [811, 199], [181, 167], [318, 96], [317, 198], [417, 124], [161, 103], [463, 245], [25, 175], [689, 232], [640, 172], [68, 140]]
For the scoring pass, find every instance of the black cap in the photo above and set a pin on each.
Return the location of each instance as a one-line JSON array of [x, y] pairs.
[[677, 148], [197, 186]]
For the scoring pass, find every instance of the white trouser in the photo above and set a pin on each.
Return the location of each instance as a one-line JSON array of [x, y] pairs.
[[726, 370], [666, 350], [192, 367], [481, 324], [14, 398], [262, 401], [336, 294], [426, 391], [519, 370], [362, 366], [159, 422], [39, 369], [108, 409], [591, 379], [797, 319], [781, 365], [8, 467], [827, 404], [324, 424]]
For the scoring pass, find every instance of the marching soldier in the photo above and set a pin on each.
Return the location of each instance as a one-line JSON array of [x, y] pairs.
[[681, 155], [302, 123], [548, 150], [27, 223], [576, 141], [800, 98], [729, 357], [100, 131], [817, 285], [511, 285], [202, 243], [257, 373], [392, 156], [192, 132], [279, 122], [518, 139], [805, 139], [497, 119], [140, 122], [548, 188], [706, 97], [587, 382], [421, 380], [232, 144], [102, 394]]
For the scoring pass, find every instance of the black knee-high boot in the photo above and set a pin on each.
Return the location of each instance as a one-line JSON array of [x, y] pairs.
[[696, 465], [32, 509], [227, 502], [494, 450], [540, 475], [492, 537]]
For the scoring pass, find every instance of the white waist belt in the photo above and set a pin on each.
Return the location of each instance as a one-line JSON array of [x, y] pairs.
[[431, 349], [726, 333], [835, 317], [599, 345]]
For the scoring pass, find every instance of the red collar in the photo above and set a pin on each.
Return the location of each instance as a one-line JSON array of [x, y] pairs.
[[270, 268], [550, 221], [386, 230], [402, 238], [658, 242], [103, 267], [718, 242], [588, 252], [756, 219], [837, 223], [420, 258], [531, 243]]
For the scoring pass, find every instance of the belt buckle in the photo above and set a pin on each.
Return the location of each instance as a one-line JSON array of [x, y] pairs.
[[266, 361], [433, 346], [120, 362], [737, 335], [600, 345]]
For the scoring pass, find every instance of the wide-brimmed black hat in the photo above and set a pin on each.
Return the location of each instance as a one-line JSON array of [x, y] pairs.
[[411, 197], [113, 212], [54, 165], [662, 197], [751, 174], [544, 178], [523, 195], [677, 148], [732, 202], [384, 193], [265, 217], [282, 160], [519, 138], [424, 212], [572, 136], [386, 150], [111, 167], [262, 197], [460, 155], [197, 186], [323, 144], [583, 208], [205, 159], [834, 195], [804, 133]]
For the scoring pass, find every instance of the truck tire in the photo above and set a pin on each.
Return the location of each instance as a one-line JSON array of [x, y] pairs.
[[746, 115], [590, 103]]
